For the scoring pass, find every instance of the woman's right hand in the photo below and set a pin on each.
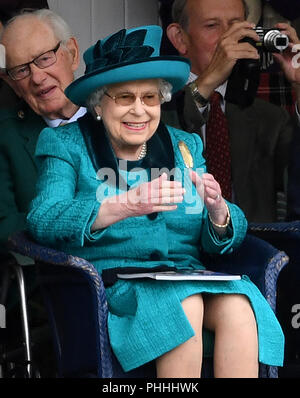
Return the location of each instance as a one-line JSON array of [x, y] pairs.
[[154, 196], [150, 197]]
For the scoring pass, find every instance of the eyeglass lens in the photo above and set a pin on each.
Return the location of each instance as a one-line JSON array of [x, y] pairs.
[[42, 61], [125, 99]]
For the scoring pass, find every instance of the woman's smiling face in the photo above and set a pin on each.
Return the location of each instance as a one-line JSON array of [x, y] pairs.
[[129, 126]]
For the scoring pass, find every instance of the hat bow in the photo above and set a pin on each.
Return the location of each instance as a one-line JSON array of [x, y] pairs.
[[120, 48]]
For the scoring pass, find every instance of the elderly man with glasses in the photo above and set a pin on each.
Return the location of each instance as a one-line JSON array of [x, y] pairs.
[[41, 58], [8, 9]]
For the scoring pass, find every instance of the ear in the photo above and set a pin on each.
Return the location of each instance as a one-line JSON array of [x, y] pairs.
[[178, 37], [98, 110], [73, 47]]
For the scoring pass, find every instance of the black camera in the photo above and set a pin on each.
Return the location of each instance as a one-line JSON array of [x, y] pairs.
[[270, 40], [244, 79]]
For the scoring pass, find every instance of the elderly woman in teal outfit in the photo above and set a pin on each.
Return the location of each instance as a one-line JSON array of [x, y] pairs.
[[122, 190]]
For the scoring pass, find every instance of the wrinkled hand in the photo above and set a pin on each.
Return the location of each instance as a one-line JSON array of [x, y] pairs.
[[154, 196], [228, 50], [289, 60], [150, 197], [209, 190]]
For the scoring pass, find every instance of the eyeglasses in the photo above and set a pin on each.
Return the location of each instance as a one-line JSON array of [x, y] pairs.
[[125, 99], [42, 61]]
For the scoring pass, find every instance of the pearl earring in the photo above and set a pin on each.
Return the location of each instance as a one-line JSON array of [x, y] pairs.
[[98, 118]]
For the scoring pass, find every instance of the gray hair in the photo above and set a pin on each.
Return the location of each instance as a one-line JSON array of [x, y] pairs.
[[179, 14], [94, 99], [58, 25]]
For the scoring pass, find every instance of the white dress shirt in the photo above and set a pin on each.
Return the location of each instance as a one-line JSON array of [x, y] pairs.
[[57, 122]]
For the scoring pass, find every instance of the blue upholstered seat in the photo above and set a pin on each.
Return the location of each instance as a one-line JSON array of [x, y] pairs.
[[76, 303], [286, 236]]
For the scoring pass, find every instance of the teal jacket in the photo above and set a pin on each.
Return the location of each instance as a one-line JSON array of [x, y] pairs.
[[77, 170], [70, 189], [19, 131]]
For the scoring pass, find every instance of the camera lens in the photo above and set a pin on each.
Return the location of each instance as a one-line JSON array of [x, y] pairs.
[[275, 41], [281, 42]]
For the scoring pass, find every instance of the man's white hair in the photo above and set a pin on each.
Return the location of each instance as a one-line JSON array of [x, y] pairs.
[[58, 25]]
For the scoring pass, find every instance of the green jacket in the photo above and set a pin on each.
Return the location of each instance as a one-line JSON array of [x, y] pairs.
[[19, 130]]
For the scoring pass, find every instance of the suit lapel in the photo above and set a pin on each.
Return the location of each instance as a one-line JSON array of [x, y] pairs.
[[30, 129], [243, 130]]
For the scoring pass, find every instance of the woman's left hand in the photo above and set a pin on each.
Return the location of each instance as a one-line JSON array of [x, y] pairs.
[[209, 190]]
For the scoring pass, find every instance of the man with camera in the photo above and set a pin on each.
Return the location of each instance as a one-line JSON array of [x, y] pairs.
[[252, 155]]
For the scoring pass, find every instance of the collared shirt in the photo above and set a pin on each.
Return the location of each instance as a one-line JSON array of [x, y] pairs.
[[57, 122]]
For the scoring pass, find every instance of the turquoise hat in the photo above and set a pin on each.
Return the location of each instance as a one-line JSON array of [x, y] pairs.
[[127, 55]]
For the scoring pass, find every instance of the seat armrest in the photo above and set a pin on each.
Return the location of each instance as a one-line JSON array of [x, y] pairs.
[[52, 266], [257, 259]]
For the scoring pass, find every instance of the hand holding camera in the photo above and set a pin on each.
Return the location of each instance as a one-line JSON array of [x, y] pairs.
[[244, 79], [270, 40], [239, 55], [227, 50], [289, 60]]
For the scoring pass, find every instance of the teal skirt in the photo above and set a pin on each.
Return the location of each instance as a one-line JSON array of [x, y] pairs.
[[146, 319]]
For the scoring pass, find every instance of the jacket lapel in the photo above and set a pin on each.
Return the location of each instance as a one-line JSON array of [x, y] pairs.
[[242, 127], [31, 127]]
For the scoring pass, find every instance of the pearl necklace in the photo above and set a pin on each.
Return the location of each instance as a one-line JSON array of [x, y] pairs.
[[143, 152]]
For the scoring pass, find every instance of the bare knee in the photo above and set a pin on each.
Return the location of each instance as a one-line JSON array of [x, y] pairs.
[[193, 306], [232, 309], [236, 346], [185, 360]]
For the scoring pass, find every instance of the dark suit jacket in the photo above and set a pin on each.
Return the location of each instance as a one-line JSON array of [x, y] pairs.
[[288, 9], [8, 98], [293, 189], [260, 136], [19, 130]]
